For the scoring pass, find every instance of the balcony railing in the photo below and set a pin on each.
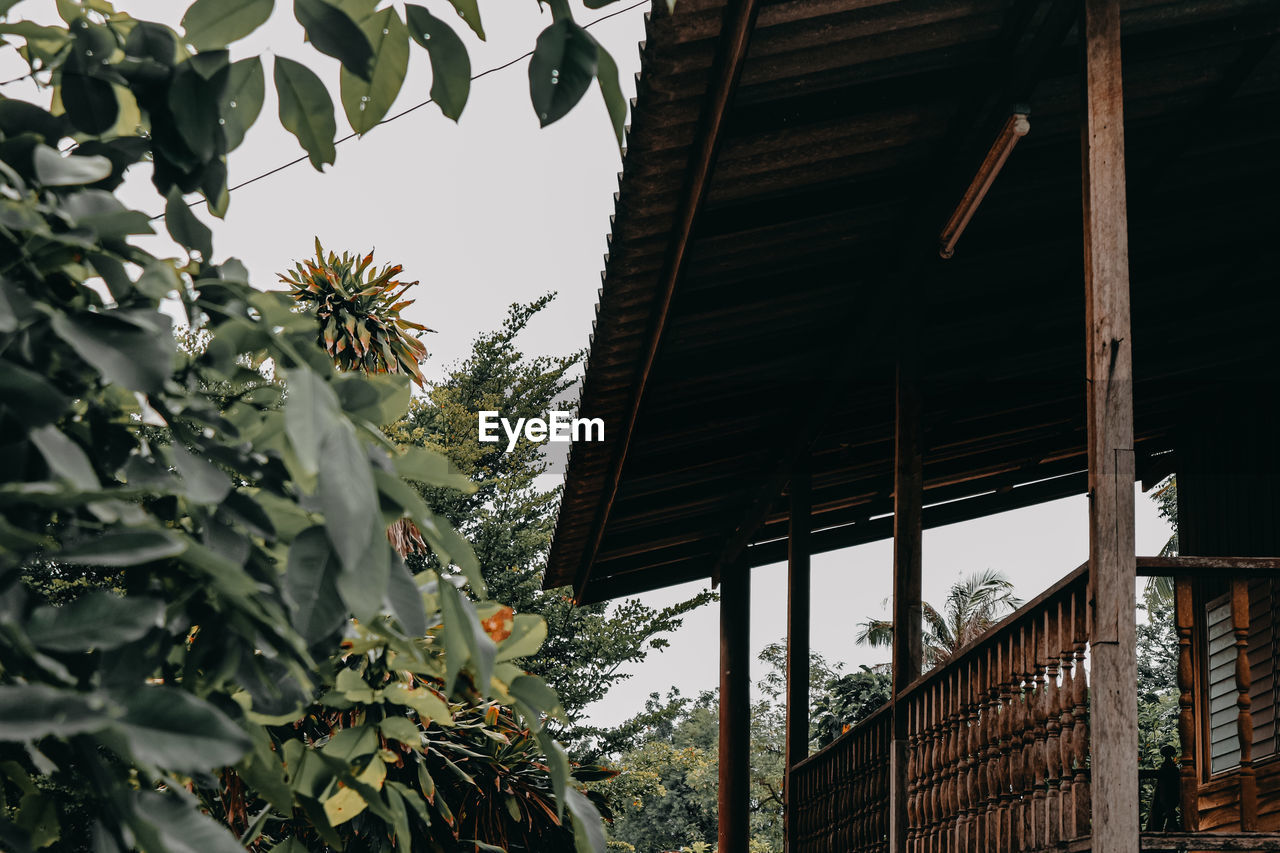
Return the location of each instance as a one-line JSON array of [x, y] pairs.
[[841, 793]]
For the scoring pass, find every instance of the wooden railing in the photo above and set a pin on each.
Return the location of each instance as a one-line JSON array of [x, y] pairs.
[[840, 795], [998, 737]]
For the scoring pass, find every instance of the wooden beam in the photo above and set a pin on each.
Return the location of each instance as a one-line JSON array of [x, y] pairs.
[[1209, 567], [908, 609], [731, 55], [1112, 561], [734, 806], [798, 607]]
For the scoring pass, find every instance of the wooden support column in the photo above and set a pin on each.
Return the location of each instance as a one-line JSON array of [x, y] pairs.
[[1244, 712], [908, 645], [735, 710], [1184, 617], [798, 606], [1112, 561]]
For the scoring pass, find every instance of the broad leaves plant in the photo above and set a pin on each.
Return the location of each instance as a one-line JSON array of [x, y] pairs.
[[194, 561]]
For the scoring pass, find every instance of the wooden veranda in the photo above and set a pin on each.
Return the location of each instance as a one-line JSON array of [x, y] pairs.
[[843, 303]]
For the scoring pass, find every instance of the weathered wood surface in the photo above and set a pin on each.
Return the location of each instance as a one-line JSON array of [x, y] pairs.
[[734, 792], [799, 599], [1188, 683], [1112, 562], [840, 795]]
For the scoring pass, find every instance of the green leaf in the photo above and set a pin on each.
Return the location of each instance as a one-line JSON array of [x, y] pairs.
[[212, 24], [306, 110], [430, 707], [462, 628], [195, 91], [174, 729], [32, 711], [120, 548], [90, 101], [310, 584], [402, 729], [133, 348], [185, 228], [431, 469], [65, 458], [588, 828], [405, 599], [611, 91], [180, 825], [366, 101], [332, 32], [557, 766], [536, 696], [379, 398], [350, 503], [564, 63], [242, 99], [450, 64], [28, 396], [469, 11], [38, 817], [204, 483], [310, 411], [528, 633], [54, 170], [95, 620]]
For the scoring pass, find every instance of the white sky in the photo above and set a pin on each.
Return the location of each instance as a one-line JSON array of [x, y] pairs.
[[495, 210]]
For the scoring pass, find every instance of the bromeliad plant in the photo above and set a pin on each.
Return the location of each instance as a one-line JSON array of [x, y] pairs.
[[359, 307]]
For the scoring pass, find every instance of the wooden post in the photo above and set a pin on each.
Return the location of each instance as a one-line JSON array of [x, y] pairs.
[[735, 710], [798, 606], [1112, 561], [908, 647], [1244, 713], [1184, 617]]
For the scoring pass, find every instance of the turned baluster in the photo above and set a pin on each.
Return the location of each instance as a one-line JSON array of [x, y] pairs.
[[1004, 764], [993, 750], [1052, 711], [1080, 719], [972, 761], [1020, 741], [1039, 713], [953, 760], [1184, 617], [1244, 717], [913, 774], [932, 802]]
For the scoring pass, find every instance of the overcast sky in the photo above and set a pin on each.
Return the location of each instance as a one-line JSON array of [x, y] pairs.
[[495, 210]]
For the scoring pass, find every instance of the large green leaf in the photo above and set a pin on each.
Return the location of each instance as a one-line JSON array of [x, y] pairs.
[[588, 828], [180, 826], [203, 482], [195, 92], [310, 411], [450, 64], [29, 712], [212, 24], [90, 101], [184, 227], [26, 395], [348, 497], [469, 11], [311, 585], [366, 101], [463, 631], [528, 633], [611, 91], [242, 99], [120, 548], [132, 348], [405, 599], [65, 458], [95, 620], [54, 170], [173, 729], [563, 65], [332, 32], [379, 398], [306, 110]]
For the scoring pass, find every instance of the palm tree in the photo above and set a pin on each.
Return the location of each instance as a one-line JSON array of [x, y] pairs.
[[975, 603]]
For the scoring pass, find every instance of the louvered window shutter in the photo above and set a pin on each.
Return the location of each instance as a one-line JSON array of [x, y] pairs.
[[1224, 740]]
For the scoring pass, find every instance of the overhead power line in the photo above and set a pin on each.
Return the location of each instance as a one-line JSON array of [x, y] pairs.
[[405, 112]]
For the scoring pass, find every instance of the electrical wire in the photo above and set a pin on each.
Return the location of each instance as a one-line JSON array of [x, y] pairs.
[[402, 113]]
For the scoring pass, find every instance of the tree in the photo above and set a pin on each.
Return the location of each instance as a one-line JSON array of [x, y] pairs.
[[974, 604], [510, 518], [848, 700], [224, 533]]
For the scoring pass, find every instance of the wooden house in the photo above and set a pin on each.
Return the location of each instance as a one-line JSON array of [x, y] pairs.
[[881, 265]]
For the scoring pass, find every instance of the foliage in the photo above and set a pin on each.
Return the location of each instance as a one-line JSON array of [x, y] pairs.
[[974, 604], [222, 532], [510, 516], [1166, 498], [359, 308], [848, 700]]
